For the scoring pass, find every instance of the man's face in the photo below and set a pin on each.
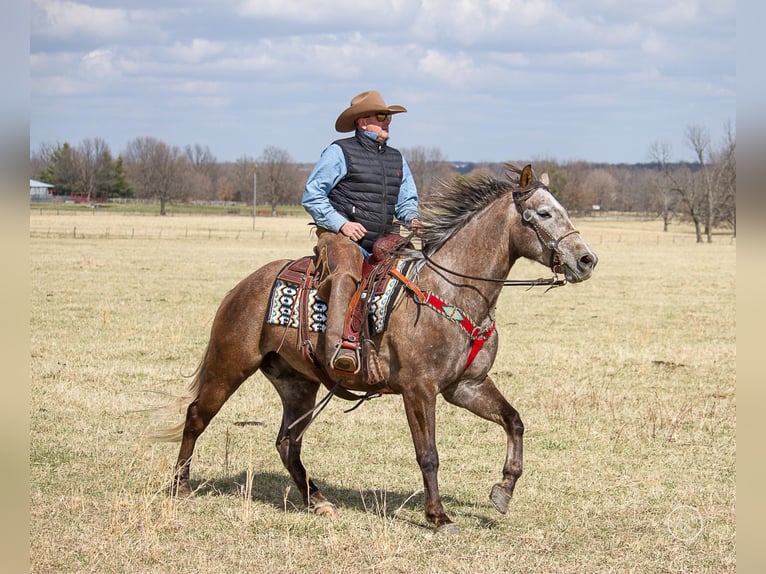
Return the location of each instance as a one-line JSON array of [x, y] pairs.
[[376, 123]]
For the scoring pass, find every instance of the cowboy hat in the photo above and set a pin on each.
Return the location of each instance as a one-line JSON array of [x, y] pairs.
[[364, 104]]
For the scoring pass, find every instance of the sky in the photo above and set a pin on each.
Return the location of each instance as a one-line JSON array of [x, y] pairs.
[[483, 80]]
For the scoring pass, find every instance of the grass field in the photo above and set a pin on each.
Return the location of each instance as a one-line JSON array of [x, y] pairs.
[[626, 384]]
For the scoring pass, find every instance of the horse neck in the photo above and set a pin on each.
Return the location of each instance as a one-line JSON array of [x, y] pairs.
[[481, 249]]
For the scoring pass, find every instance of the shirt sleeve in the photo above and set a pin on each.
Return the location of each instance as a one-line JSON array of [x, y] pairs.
[[327, 172], [407, 204]]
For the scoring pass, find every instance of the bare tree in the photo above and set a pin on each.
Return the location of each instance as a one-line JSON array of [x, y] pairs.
[[708, 191], [201, 159], [683, 183], [89, 163], [277, 177], [726, 180], [699, 140], [155, 169], [665, 194], [242, 179], [575, 193], [602, 187], [428, 166], [203, 182]]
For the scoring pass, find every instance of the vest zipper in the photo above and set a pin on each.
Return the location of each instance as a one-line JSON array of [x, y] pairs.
[[384, 204]]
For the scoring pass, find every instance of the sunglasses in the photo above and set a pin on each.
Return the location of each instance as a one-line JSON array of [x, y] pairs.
[[382, 117]]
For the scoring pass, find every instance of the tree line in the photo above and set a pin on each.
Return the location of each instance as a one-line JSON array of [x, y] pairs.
[[148, 169]]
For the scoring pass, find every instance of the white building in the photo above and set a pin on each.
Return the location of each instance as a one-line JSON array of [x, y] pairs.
[[39, 191]]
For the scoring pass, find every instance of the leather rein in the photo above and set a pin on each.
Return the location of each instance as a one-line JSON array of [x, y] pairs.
[[528, 218]]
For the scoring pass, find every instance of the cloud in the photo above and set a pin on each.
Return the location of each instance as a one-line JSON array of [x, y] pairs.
[[197, 50], [97, 64], [252, 61], [60, 19], [338, 15], [458, 71]]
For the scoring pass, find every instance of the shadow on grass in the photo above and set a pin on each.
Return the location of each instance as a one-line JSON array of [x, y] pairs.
[[278, 491]]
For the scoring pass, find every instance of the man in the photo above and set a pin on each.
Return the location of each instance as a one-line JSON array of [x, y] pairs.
[[353, 194]]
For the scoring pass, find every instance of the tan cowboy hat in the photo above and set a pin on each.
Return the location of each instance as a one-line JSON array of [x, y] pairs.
[[364, 104]]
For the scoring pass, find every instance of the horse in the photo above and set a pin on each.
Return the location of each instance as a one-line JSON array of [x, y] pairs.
[[440, 337]]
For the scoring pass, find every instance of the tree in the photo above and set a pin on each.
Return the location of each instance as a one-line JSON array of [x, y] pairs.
[[155, 169], [708, 192], [58, 167], [428, 166], [726, 159], [575, 192], [682, 183], [699, 140], [92, 159], [602, 188], [277, 177], [201, 184], [243, 179], [120, 186]]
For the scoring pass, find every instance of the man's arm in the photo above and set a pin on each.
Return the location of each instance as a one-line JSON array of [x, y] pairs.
[[327, 172], [407, 204]]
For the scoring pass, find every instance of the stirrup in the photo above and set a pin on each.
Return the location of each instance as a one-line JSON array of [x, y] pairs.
[[346, 358]]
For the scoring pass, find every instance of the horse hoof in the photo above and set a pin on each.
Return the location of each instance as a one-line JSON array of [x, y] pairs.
[[450, 529], [324, 508], [500, 498]]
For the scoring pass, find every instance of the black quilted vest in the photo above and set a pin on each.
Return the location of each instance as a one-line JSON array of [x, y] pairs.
[[370, 189]]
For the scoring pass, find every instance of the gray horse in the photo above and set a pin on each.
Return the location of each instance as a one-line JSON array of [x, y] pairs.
[[440, 337]]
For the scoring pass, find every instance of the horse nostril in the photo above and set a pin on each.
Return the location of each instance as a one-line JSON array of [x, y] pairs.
[[587, 262]]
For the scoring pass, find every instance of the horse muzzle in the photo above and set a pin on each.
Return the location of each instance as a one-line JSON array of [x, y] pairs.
[[581, 268]]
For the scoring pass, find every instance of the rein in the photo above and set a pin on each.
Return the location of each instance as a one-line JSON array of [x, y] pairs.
[[552, 282]]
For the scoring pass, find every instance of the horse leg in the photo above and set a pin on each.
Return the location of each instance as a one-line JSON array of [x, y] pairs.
[[485, 400], [298, 396], [421, 416], [215, 382]]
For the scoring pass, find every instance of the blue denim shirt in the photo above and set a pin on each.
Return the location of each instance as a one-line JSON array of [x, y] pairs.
[[329, 170]]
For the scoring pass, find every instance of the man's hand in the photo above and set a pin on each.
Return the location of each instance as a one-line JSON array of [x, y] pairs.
[[352, 230], [416, 227]]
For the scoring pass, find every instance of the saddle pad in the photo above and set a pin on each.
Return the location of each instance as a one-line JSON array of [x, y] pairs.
[[284, 307]]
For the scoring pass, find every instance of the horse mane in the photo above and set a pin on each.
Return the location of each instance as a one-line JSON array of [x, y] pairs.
[[453, 203]]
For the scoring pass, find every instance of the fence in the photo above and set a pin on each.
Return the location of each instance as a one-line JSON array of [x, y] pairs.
[[102, 225]]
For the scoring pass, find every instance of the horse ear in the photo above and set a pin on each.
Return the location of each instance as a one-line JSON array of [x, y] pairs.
[[545, 180], [527, 176]]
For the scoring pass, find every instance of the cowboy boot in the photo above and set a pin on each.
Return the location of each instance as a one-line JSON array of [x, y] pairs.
[[344, 262], [343, 355]]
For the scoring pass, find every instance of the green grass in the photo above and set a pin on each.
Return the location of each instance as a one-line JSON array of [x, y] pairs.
[[625, 384]]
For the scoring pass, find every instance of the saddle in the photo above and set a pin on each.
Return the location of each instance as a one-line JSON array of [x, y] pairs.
[[308, 273]]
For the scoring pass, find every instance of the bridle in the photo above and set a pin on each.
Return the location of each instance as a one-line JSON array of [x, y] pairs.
[[528, 218]]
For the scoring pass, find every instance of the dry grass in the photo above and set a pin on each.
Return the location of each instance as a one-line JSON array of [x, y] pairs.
[[625, 383]]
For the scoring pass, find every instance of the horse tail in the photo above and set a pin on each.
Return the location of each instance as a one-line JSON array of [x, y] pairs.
[[178, 405]]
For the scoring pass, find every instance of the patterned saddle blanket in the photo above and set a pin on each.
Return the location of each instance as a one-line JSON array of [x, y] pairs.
[[284, 308]]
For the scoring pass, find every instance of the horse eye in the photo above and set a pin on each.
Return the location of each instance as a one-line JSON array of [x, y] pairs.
[[544, 214]]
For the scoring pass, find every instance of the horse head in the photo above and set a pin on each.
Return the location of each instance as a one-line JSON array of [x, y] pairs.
[[547, 234]]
